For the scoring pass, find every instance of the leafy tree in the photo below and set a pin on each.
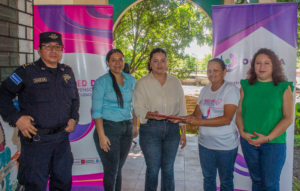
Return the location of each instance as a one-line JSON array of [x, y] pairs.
[[184, 67], [204, 61], [169, 24]]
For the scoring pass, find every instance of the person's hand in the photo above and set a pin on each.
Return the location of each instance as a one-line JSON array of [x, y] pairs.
[[152, 114], [25, 126], [248, 137], [182, 140], [175, 120], [71, 126], [192, 121], [104, 143], [135, 132], [260, 140]]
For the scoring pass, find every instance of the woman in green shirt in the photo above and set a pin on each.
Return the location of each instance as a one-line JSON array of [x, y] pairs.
[[264, 113]]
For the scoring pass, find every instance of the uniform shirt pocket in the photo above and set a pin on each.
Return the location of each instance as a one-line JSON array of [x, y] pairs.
[[70, 90], [42, 92]]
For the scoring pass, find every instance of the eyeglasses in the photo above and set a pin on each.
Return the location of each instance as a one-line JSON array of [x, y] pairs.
[[56, 47]]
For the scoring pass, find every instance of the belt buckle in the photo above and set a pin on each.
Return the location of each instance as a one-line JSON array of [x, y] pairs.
[[36, 138]]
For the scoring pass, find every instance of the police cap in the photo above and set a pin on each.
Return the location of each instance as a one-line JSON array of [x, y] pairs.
[[46, 37]]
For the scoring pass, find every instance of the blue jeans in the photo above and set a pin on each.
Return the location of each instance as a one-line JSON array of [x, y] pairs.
[[221, 160], [265, 164], [159, 141], [120, 135]]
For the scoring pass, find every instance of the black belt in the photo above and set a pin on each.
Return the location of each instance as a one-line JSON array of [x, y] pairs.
[[163, 120], [50, 131], [43, 132]]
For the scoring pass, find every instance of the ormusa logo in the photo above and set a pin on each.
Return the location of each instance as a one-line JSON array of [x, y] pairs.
[[231, 62]]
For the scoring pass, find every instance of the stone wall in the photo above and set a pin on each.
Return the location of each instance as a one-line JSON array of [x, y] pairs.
[[16, 35]]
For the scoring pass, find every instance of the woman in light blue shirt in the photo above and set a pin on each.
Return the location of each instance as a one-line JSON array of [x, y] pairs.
[[115, 121]]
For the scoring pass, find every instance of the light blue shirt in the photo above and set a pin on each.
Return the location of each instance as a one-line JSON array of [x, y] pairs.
[[104, 98]]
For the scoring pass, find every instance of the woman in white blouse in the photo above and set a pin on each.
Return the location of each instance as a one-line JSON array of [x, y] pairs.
[[159, 93]]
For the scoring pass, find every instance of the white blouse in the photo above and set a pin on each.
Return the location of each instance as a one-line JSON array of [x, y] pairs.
[[149, 95]]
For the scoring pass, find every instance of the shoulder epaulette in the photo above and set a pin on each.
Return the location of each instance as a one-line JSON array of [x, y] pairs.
[[28, 64]]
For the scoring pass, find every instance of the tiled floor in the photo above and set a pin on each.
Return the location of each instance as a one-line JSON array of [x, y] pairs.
[[188, 174]]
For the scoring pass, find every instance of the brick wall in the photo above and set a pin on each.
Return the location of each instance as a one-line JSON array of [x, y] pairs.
[[16, 35]]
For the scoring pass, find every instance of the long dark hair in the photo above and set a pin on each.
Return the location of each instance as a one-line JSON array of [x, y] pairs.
[[277, 73], [155, 50], [115, 83]]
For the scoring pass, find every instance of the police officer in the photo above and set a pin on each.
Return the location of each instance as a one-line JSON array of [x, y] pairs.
[[49, 104]]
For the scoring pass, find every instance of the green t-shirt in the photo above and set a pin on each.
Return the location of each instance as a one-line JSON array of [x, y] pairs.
[[262, 107]]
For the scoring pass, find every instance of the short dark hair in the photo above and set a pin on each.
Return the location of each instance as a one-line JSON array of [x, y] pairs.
[[155, 50], [220, 61]]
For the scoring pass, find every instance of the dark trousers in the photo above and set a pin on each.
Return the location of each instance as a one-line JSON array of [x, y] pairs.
[[159, 141], [50, 156], [120, 135]]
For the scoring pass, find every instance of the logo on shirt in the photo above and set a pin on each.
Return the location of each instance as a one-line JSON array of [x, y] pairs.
[[210, 102], [67, 77], [39, 80], [15, 78]]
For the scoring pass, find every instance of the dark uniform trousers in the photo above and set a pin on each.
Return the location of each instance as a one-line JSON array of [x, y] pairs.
[[51, 155], [51, 97]]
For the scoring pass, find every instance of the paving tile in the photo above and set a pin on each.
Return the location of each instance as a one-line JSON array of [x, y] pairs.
[[144, 168], [128, 183], [133, 165], [192, 168], [191, 147], [142, 176], [140, 184], [178, 176], [129, 173], [191, 161], [179, 185], [179, 167], [135, 159], [194, 176], [179, 160], [193, 185], [192, 143], [191, 153]]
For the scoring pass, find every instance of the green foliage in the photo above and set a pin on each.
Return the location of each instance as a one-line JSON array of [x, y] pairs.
[[296, 185], [297, 141], [204, 61], [169, 24], [184, 67], [241, 2], [297, 115]]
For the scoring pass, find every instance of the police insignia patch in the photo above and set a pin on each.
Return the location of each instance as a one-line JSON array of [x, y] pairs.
[[39, 80], [67, 77], [53, 36], [15, 78]]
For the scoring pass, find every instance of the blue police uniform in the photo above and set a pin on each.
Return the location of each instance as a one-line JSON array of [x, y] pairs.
[[50, 96]]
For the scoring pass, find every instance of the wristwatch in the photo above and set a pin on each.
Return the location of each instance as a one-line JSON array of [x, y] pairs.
[[76, 120]]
